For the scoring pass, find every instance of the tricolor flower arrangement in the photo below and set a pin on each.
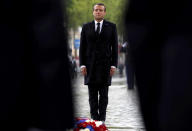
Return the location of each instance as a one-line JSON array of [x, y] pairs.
[[85, 124]]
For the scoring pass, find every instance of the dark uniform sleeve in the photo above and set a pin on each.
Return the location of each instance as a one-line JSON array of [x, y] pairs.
[[83, 45], [114, 47]]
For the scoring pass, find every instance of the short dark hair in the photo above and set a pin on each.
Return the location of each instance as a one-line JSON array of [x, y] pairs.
[[101, 4]]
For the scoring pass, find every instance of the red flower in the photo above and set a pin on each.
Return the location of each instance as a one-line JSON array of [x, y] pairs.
[[101, 128], [91, 123], [76, 129], [82, 125]]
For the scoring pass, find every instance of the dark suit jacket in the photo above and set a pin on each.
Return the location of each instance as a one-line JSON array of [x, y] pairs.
[[98, 52], [35, 88], [160, 37]]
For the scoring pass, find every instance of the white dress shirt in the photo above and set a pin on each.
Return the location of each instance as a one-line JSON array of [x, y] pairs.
[[101, 24]]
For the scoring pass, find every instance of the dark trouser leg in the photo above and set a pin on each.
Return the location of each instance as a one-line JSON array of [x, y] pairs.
[[103, 101], [130, 76], [93, 101]]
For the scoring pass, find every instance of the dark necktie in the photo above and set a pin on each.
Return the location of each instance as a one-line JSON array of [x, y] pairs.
[[98, 28]]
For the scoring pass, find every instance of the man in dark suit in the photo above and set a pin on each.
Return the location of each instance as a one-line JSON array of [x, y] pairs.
[[160, 38], [98, 59], [129, 65]]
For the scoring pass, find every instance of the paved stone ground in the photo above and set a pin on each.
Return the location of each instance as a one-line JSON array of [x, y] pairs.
[[122, 111]]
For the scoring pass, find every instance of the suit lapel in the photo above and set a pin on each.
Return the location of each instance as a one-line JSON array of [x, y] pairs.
[[92, 27], [105, 24]]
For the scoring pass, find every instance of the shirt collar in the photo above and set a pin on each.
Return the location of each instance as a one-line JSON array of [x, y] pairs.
[[101, 22]]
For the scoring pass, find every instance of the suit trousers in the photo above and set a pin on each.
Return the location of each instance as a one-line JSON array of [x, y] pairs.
[[98, 100], [130, 76]]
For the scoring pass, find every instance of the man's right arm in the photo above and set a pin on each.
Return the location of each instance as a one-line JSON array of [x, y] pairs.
[[83, 47], [82, 51]]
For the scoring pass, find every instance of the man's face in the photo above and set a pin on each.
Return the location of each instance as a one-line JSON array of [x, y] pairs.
[[99, 12]]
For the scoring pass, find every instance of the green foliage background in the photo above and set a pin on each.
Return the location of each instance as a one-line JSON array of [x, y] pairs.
[[80, 12]]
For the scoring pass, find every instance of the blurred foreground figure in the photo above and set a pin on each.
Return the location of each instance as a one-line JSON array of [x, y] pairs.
[[35, 85], [160, 38]]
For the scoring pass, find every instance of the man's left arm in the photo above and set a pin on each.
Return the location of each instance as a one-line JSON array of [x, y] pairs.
[[114, 45]]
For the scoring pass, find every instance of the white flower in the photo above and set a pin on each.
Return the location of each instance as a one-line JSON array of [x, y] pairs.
[[92, 120], [98, 123], [86, 129], [87, 121]]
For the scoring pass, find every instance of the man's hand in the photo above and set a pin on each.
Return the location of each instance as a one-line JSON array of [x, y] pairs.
[[112, 71], [83, 71]]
